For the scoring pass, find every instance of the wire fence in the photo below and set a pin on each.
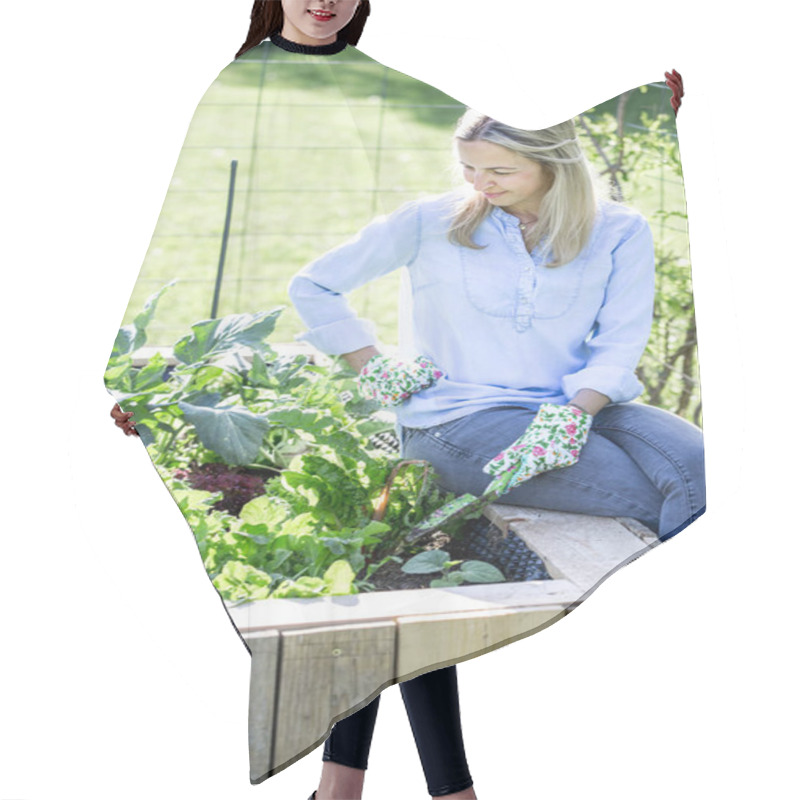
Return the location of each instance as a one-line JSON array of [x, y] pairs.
[[321, 147]]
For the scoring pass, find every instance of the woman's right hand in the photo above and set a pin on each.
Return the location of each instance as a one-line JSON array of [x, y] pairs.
[[122, 419], [391, 380]]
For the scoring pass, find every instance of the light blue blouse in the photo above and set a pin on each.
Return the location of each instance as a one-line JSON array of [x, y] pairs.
[[505, 329]]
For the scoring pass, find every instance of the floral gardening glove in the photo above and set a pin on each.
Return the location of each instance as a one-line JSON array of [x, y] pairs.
[[554, 439], [391, 380]]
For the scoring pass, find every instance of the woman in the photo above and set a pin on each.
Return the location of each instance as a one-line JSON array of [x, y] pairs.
[[325, 27], [532, 305], [533, 301]]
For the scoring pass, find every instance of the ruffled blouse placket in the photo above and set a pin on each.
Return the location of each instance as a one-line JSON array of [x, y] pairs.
[[526, 285]]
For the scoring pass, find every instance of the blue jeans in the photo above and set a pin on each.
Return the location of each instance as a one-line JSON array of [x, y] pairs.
[[639, 461]]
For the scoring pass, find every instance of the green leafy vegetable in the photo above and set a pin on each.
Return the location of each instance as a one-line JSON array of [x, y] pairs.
[[302, 502]]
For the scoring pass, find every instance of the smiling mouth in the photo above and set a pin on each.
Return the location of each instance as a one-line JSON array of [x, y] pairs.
[[321, 15]]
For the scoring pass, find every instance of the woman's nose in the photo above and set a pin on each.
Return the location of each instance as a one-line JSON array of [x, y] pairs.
[[481, 181]]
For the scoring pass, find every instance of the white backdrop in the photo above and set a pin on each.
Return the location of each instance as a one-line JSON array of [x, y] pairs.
[[122, 676]]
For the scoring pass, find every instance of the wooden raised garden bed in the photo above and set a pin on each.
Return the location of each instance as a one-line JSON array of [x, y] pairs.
[[314, 660]]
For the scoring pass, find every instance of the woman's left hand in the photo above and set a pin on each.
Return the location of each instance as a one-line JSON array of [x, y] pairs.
[[553, 440]]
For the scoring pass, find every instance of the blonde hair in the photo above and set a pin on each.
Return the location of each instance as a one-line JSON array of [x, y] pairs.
[[567, 211]]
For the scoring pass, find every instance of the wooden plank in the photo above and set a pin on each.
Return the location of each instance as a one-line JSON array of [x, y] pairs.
[[326, 673], [303, 612], [581, 548], [265, 652], [433, 641], [637, 529]]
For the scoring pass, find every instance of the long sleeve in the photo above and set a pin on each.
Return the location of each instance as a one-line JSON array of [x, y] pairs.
[[622, 327], [317, 291]]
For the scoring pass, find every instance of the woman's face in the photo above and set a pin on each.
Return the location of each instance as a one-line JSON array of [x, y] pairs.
[[316, 21], [503, 177]]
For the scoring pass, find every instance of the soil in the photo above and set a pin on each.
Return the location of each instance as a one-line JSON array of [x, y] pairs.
[[390, 576], [494, 549]]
